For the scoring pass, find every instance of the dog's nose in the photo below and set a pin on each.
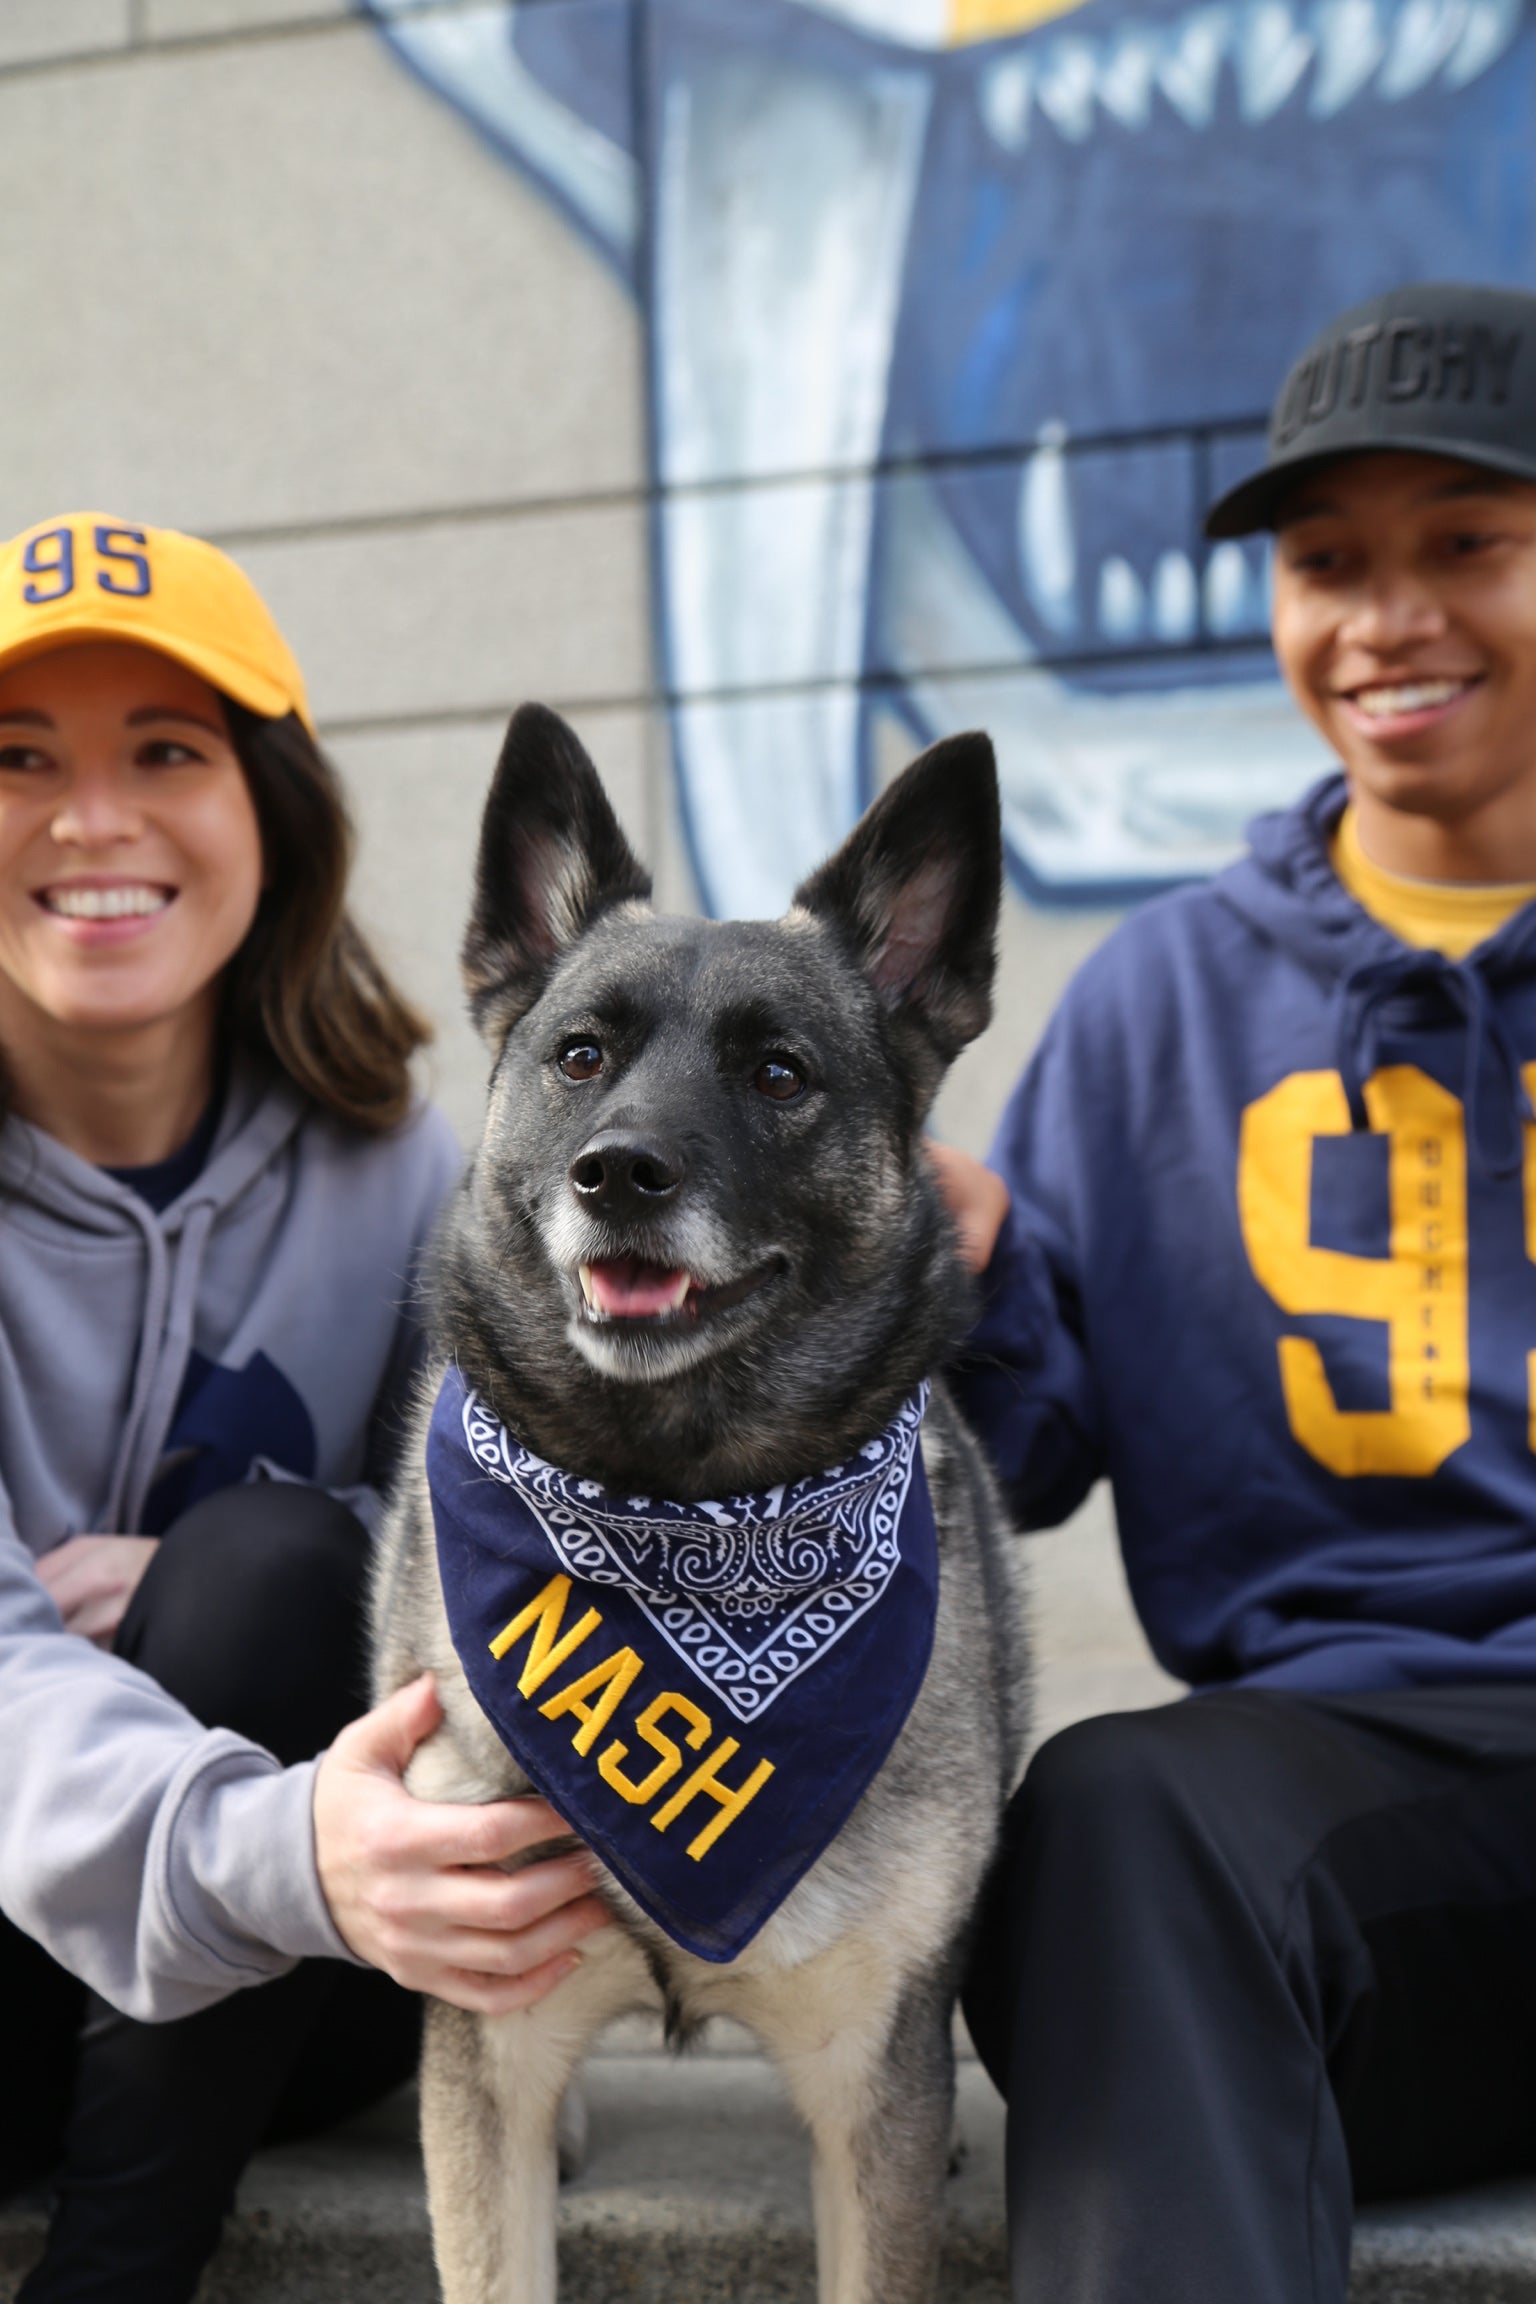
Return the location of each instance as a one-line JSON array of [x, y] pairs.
[[620, 1174]]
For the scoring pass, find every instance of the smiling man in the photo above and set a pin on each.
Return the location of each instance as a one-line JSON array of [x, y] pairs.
[[1405, 609], [1270, 1263]]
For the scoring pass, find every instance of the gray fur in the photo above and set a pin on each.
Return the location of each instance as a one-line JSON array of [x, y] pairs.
[[824, 1211]]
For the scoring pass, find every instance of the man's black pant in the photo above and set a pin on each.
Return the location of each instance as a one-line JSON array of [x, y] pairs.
[[251, 1613], [1246, 1959]]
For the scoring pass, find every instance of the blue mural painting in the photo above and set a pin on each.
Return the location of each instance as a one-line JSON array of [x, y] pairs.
[[957, 313]]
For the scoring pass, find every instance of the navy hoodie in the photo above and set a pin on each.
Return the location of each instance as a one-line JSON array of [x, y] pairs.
[[1270, 1267]]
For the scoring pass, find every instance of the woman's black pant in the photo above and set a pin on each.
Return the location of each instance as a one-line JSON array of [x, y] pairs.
[[1245, 1960], [251, 1612]]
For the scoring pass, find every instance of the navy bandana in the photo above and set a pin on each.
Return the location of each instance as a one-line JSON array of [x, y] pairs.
[[703, 1691]]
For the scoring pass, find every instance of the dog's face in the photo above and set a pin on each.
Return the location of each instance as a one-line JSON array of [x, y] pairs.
[[700, 1201], [694, 1119]]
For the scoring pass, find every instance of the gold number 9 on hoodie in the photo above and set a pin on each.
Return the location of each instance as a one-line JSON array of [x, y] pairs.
[[1418, 1290]]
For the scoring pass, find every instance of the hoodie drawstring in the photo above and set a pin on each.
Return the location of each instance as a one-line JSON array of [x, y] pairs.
[[165, 1345], [157, 1290], [175, 1351], [1364, 993]]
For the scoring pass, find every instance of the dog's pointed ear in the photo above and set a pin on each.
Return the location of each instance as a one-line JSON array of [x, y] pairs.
[[552, 857], [914, 891]]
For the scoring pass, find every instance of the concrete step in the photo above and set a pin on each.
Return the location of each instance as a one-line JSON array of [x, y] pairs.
[[696, 2191]]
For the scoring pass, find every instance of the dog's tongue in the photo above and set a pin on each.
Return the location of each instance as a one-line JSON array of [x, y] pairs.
[[626, 1289]]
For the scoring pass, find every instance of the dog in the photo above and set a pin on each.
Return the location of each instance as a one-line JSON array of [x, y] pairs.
[[695, 1280]]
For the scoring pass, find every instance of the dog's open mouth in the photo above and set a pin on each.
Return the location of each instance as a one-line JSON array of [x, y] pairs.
[[625, 1288]]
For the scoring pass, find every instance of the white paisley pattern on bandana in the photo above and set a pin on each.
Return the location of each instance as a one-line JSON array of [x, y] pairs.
[[750, 1591]]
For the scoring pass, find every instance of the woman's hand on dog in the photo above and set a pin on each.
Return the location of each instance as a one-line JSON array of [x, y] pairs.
[[977, 1200], [93, 1578], [413, 1885]]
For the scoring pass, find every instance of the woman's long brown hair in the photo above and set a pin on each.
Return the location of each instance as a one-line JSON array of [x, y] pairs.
[[305, 987]]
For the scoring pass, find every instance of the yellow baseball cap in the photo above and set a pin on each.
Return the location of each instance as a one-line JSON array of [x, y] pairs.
[[86, 576]]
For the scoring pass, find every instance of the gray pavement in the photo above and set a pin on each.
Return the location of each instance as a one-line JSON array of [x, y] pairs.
[[696, 2191]]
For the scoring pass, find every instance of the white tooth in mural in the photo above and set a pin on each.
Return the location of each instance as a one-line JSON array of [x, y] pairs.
[[1175, 598], [1191, 68], [1122, 603], [1491, 25], [782, 202], [1005, 96], [924, 23], [1047, 548], [1068, 86], [1350, 45], [1271, 59], [1125, 83], [1228, 610], [1427, 32]]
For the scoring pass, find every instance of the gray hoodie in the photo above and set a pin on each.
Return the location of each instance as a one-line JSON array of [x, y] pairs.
[[261, 1326]]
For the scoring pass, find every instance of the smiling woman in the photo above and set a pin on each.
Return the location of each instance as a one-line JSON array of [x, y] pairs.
[[215, 1182], [130, 873]]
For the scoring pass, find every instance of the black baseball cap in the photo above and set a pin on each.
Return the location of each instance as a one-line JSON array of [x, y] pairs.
[[1437, 370]]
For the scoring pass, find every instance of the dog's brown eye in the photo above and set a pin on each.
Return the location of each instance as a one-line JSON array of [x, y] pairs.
[[583, 1060], [779, 1080]]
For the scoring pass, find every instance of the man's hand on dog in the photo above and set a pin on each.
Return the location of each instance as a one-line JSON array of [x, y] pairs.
[[978, 1201], [412, 1884]]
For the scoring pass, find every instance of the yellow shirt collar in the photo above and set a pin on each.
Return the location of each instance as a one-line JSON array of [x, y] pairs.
[[1438, 915]]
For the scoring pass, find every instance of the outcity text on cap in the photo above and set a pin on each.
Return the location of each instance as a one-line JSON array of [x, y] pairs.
[[1436, 369]]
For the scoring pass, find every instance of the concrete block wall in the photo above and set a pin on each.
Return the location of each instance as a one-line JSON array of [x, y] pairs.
[[256, 284]]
